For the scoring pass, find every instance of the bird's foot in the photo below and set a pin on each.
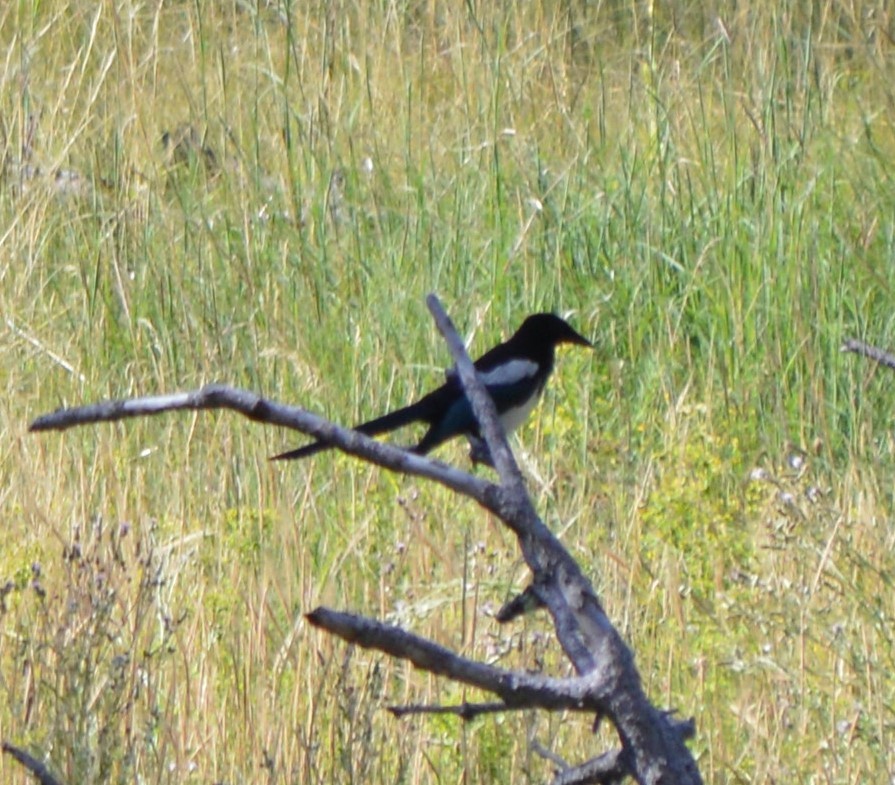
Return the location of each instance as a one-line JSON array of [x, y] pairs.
[[479, 452]]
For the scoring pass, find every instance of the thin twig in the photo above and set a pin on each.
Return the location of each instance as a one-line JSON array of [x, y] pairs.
[[62, 363], [541, 751], [465, 711]]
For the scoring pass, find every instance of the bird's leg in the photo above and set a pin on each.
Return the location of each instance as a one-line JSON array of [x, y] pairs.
[[479, 452]]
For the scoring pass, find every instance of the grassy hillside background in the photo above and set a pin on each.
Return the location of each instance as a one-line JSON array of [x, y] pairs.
[[706, 190]]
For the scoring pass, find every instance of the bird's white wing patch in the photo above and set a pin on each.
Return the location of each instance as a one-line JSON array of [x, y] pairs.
[[509, 373]]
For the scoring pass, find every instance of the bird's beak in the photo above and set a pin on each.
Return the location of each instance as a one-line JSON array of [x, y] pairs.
[[578, 339]]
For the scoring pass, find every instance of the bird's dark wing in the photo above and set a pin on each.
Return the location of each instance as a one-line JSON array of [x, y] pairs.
[[496, 355], [494, 358], [512, 384]]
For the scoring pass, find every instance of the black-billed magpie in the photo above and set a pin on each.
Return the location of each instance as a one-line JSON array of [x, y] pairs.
[[514, 372]]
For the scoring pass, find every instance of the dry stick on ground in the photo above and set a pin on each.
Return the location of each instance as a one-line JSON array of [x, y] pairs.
[[653, 749], [859, 347]]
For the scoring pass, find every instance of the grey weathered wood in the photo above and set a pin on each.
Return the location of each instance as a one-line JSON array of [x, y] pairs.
[[865, 349]]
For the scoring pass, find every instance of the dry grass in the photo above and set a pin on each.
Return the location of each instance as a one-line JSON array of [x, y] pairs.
[[709, 195]]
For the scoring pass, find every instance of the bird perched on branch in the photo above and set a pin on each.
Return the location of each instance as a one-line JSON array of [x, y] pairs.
[[514, 372]]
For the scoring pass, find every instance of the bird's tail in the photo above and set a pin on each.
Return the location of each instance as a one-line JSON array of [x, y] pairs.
[[388, 422]]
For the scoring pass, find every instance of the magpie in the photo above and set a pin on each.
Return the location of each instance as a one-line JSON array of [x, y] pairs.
[[514, 372]]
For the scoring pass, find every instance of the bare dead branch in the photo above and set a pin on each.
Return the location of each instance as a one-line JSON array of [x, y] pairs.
[[253, 406], [606, 769], [41, 772], [610, 767], [517, 690], [866, 350], [482, 406]]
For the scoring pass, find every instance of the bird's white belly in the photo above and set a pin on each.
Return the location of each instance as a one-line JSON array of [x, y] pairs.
[[513, 418]]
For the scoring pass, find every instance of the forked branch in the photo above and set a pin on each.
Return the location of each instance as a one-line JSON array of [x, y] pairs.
[[653, 748]]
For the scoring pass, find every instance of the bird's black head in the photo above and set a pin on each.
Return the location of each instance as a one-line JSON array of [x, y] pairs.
[[548, 328]]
